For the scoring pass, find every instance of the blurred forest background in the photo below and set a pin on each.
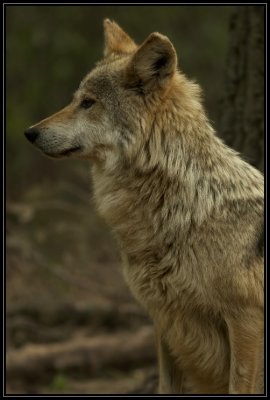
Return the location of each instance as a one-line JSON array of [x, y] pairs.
[[71, 324]]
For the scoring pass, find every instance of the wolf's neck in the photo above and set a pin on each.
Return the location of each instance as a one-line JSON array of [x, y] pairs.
[[181, 175]]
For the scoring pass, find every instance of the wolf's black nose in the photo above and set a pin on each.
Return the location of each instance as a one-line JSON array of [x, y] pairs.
[[31, 134]]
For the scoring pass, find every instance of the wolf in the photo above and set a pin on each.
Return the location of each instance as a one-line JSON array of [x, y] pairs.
[[187, 211]]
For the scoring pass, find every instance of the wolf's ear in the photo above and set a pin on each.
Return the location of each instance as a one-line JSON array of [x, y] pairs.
[[116, 40], [154, 62]]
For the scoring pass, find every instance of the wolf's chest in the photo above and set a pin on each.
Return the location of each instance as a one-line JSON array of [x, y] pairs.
[[156, 289], [182, 316]]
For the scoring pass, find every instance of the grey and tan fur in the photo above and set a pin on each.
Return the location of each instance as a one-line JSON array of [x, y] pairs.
[[187, 211]]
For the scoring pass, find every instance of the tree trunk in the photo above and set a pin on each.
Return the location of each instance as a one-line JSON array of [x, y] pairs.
[[242, 111]]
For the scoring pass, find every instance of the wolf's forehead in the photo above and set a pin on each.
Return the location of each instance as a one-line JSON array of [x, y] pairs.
[[104, 77], [97, 83]]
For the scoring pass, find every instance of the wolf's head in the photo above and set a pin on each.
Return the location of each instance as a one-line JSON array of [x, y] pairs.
[[113, 110]]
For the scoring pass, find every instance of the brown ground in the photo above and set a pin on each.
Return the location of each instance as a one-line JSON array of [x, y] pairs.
[[71, 324]]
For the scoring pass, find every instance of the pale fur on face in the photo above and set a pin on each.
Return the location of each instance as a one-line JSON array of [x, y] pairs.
[[128, 86]]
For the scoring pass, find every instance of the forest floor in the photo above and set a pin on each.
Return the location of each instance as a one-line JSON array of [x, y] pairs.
[[72, 327]]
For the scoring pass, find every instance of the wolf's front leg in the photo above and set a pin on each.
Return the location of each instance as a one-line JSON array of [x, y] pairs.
[[170, 375], [246, 334]]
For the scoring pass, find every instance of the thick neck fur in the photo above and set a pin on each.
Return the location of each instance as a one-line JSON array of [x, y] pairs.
[[181, 175]]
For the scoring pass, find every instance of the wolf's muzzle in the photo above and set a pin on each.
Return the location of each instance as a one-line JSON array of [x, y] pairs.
[[31, 134]]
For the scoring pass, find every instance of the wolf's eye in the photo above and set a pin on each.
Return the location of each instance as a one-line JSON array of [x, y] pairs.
[[87, 103]]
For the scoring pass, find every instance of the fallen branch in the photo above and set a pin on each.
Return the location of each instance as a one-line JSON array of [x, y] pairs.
[[82, 356]]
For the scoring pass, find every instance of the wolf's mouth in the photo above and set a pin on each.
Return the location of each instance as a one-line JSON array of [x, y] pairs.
[[65, 152], [69, 151]]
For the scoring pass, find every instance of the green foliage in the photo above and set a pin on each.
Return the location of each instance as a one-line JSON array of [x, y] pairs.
[[59, 382]]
